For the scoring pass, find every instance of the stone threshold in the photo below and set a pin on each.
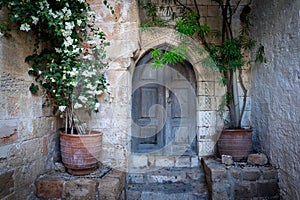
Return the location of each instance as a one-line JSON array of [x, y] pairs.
[[240, 181], [103, 184]]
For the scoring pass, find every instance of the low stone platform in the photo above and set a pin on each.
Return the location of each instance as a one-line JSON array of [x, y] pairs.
[[168, 184], [240, 181], [104, 184]]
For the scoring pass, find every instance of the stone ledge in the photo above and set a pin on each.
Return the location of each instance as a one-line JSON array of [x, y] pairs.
[[240, 181], [108, 185]]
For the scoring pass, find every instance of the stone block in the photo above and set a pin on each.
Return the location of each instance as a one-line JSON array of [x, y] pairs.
[[269, 173], [166, 177], [182, 162], [4, 150], [257, 159], [267, 189], [227, 159], [218, 173], [80, 189], [235, 172], [195, 161], [164, 162], [6, 184], [135, 178], [213, 11], [50, 187], [251, 174], [195, 174], [109, 188], [245, 190], [139, 161], [206, 88], [8, 131]]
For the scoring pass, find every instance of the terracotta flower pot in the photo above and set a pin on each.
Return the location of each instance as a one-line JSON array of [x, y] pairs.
[[236, 142], [80, 153]]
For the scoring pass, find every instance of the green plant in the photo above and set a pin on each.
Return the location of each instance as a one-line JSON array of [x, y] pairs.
[[68, 60], [227, 57]]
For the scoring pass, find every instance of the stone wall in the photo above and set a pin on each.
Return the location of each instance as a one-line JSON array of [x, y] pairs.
[[240, 181], [128, 44], [275, 90], [27, 131]]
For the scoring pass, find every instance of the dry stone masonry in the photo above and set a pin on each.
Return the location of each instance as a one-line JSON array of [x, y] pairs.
[[29, 137]]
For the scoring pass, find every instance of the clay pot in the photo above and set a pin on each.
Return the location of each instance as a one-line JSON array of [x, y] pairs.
[[81, 153], [235, 142]]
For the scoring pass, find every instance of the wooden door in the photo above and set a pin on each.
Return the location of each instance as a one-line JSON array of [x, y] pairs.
[[163, 109]]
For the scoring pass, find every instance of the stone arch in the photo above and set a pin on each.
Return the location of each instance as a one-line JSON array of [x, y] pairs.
[[209, 92]]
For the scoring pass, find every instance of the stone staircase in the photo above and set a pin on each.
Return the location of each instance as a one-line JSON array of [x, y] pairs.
[[168, 183]]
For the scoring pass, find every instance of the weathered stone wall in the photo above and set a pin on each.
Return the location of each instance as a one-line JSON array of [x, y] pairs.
[[27, 131], [127, 44], [114, 118], [275, 90]]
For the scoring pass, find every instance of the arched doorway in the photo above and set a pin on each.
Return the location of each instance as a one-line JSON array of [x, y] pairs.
[[163, 109]]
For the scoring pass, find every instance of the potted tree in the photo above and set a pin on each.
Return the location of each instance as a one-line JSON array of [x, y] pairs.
[[228, 56], [68, 62]]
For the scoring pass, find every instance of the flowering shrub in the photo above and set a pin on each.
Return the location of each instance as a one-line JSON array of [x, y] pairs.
[[69, 57]]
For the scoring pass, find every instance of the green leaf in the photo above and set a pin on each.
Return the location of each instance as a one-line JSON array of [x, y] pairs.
[[33, 88]]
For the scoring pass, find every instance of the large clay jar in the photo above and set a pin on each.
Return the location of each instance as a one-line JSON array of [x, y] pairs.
[[81, 153], [235, 142]]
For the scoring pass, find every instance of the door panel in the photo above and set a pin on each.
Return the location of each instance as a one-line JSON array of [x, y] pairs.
[[164, 109]]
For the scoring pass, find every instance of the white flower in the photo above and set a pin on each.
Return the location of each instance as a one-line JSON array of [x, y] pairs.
[[62, 108], [69, 25], [66, 33], [78, 21], [64, 77], [73, 73], [74, 84], [1, 34], [35, 20], [58, 50], [77, 105], [96, 106], [98, 92], [25, 27], [87, 57], [81, 1], [68, 41], [89, 86], [41, 6], [82, 99], [76, 50], [92, 42], [86, 74], [67, 12]]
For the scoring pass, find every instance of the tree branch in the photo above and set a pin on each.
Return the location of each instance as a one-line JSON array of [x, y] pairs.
[[244, 95]]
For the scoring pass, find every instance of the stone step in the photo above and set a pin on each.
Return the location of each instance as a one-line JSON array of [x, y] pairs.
[[141, 163], [167, 183], [167, 191], [168, 175]]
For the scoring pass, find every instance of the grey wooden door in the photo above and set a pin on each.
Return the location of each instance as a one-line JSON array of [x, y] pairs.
[[163, 109]]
